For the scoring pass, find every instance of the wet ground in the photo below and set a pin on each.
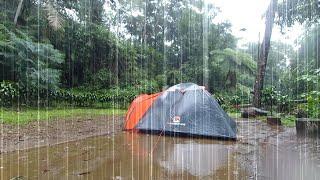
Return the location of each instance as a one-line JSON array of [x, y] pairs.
[[48, 133], [261, 152]]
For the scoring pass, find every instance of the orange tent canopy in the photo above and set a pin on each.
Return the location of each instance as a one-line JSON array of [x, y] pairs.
[[138, 108]]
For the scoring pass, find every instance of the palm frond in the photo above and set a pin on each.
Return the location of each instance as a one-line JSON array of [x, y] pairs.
[[233, 59], [53, 16]]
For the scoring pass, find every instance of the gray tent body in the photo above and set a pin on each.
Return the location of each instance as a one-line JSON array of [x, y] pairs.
[[188, 109]]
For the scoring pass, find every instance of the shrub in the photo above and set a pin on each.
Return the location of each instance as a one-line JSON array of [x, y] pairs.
[[227, 102], [103, 78], [271, 98], [8, 93], [284, 103], [220, 98], [311, 108], [288, 120]]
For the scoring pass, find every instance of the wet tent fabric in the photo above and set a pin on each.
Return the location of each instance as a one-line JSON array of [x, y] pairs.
[[138, 108], [187, 109]]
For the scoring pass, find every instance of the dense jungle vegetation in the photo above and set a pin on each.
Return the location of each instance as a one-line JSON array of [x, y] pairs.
[[103, 53]]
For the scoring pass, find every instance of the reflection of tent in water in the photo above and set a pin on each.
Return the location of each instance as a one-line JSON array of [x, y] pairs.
[[184, 109], [197, 157]]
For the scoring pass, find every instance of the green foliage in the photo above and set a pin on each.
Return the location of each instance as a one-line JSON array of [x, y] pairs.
[[312, 80], [284, 103], [104, 78], [271, 97], [27, 115], [89, 60], [113, 97], [8, 93], [180, 45], [288, 120], [230, 100], [235, 100], [232, 59], [220, 98], [229, 66], [311, 108], [291, 11], [244, 93], [314, 104], [12, 94], [28, 62]]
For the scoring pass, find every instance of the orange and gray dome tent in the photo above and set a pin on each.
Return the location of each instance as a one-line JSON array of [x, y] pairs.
[[184, 109]]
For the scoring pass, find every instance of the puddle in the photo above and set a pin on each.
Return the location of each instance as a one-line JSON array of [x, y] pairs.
[[263, 152], [295, 160], [127, 156], [287, 163]]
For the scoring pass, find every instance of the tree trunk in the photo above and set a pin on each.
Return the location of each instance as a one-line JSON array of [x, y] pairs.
[[18, 12], [263, 54], [205, 49], [231, 79]]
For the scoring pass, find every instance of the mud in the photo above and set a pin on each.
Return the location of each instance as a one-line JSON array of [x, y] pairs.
[[261, 152], [48, 133]]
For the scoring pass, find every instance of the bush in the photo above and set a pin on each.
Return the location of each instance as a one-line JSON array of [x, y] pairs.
[[120, 96], [240, 95], [271, 98], [228, 103], [11, 94], [103, 78], [288, 120], [311, 108], [284, 103], [235, 100], [8, 93], [32, 63]]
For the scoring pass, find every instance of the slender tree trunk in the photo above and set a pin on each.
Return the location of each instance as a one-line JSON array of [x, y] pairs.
[[205, 50], [263, 55], [18, 12]]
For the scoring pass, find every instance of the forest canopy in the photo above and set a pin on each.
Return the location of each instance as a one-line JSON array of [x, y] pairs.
[[115, 50]]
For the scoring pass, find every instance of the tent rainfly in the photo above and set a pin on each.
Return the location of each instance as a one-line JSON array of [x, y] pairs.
[[185, 109]]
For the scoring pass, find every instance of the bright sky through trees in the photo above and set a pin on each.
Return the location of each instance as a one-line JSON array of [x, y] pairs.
[[247, 20], [246, 17]]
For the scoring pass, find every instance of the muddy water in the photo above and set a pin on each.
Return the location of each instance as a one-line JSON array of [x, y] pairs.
[[126, 156], [294, 158], [262, 152]]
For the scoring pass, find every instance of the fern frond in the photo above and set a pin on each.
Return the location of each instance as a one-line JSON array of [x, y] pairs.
[[53, 16]]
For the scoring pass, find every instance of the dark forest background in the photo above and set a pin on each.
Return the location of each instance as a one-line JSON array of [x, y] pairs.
[[105, 52]]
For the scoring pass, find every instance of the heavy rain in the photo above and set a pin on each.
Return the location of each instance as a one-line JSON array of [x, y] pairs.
[[159, 89]]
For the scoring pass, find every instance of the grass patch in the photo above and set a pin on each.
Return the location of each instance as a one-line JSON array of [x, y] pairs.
[[289, 121], [234, 114], [261, 118], [25, 116]]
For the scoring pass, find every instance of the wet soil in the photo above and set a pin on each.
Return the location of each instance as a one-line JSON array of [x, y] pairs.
[[261, 152], [48, 133]]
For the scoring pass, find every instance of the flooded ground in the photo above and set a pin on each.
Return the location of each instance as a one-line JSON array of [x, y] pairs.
[[262, 152]]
